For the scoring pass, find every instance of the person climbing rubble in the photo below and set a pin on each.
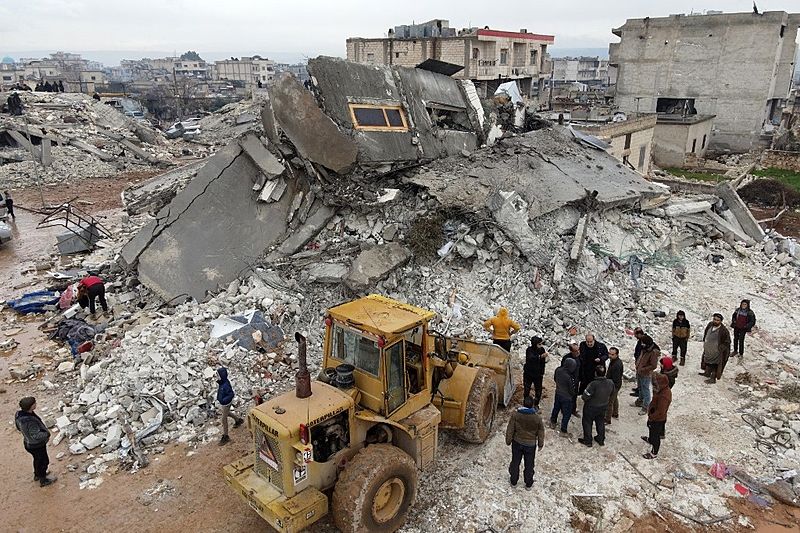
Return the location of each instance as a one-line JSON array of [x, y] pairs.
[[501, 327], [681, 330], [716, 349], [742, 322]]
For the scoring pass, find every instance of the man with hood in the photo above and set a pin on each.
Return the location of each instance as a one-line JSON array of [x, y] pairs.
[[565, 389], [657, 414], [501, 327], [35, 436], [225, 396], [742, 322], [533, 370], [525, 432], [681, 330], [595, 403], [716, 349], [593, 353], [614, 373]]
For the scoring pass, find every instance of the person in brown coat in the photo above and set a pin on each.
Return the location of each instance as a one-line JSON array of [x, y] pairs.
[[657, 414], [646, 363], [525, 432], [716, 349]]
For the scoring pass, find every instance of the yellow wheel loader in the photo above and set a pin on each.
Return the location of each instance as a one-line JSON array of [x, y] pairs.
[[359, 435]]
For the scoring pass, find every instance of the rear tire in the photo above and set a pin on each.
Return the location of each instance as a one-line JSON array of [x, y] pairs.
[[481, 408], [375, 491]]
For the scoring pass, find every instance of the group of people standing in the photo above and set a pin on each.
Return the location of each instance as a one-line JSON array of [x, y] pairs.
[[47, 87], [594, 372]]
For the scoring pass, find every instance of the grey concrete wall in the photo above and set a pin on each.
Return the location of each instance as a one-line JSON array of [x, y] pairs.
[[672, 143], [732, 64]]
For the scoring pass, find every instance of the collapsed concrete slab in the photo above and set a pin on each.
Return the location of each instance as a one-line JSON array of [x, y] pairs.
[[746, 219], [511, 213], [314, 135], [375, 264], [211, 232], [152, 195]]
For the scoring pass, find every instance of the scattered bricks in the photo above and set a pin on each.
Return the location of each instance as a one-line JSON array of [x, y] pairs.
[[66, 366], [62, 422], [90, 442], [77, 448]]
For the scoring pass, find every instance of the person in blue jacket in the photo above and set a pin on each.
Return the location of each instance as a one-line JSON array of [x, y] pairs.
[[225, 397]]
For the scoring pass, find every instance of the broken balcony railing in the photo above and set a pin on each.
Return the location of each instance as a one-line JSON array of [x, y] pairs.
[[83, 230]]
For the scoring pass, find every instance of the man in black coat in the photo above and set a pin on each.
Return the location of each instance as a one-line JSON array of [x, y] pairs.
[[533, 370], [593, 353], [35, 436], [742, 322], [614, 373], [595, 403]]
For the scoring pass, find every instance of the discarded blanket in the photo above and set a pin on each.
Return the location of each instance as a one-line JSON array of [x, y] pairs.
[[73, 329]]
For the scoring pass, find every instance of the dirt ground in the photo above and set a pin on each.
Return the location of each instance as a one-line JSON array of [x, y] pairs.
[[182, 489]]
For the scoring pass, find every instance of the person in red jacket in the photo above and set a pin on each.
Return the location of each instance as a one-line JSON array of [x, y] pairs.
[[89, 288], [657, 414]]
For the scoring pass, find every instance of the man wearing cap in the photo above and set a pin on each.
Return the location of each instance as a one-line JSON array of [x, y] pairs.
[[35, 436], [669, 369], [716, 349]]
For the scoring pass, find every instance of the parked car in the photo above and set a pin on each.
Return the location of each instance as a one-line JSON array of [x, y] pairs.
[[189, 127]]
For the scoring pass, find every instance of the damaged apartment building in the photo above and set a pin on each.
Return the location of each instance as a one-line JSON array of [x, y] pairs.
[[717, 81], [262, 199], [486, 56]]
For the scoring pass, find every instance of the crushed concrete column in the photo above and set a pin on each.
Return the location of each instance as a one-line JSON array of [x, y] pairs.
[[580, 238], [740, 211]]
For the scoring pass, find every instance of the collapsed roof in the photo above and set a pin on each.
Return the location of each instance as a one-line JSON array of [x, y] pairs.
[[264, 198]]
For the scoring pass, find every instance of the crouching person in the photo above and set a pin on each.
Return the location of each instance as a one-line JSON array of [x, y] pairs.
[[524, 434]]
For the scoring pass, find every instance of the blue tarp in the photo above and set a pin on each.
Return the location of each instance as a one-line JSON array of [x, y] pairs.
[[34, 302]]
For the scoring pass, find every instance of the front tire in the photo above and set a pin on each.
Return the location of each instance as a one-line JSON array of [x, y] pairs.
[[481, 408], [375, 491]]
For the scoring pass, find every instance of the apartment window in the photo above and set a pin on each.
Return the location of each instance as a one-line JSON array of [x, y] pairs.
[[503, 56], [370, 57], [534, 58], [628, 141], [397, 55], [642, 151], [694, 145], [93, 78], [703, 144], [476, 53], [378, 117]]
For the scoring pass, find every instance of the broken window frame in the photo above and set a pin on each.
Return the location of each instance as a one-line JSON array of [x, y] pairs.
[[387, 122]]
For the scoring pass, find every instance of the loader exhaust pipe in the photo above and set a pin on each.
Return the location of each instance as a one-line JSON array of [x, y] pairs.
[[302, 379]]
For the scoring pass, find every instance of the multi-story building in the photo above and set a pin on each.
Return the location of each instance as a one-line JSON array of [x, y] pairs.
[[487, 57], [589, 70], [735, 66], [248, 72], [162, 70]]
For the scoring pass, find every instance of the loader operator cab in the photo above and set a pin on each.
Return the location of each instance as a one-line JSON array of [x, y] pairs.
[[386, 348]]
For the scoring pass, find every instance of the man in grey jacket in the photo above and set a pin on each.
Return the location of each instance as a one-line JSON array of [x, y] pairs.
[[524, 433], [595, 402], [35, 436]]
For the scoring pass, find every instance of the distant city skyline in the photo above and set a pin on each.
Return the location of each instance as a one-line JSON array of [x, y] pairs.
[[288, 33]]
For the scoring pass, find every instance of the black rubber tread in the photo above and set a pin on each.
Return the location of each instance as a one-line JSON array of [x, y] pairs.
[[356, 487], [481, 408]]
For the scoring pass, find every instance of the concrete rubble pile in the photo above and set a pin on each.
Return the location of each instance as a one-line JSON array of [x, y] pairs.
[[290, 224], [75, 137]]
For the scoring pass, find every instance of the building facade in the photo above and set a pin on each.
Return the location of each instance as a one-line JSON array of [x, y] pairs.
[[736, 66], [247, 72], [589, 70], [488, 57], [678, 142], [630, 136]]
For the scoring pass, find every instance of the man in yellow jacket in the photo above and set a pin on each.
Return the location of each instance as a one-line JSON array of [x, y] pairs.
[[501, 328]]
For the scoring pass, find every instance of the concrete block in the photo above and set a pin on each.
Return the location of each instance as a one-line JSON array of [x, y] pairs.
[[77, 448], [113, 435], [62, 422], [91, 442], [66, 366], [375, 264], [580, 238], [686, 208], [327, 272], [314, 135], [263, 158], [740, 211], [510, 211], [148, 415]]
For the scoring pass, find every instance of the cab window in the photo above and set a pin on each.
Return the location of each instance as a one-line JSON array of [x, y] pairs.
[[357, 350]]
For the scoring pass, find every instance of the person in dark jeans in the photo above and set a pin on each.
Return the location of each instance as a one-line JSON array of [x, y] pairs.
[[681, 331], [525, 432], [9, 204], [533, 370], [657, 414], [35, 436], [89, 288], [596, 396], [742, 322], [565, 389]]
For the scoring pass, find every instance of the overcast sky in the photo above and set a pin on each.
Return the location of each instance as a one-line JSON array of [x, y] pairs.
[[307, 28]]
